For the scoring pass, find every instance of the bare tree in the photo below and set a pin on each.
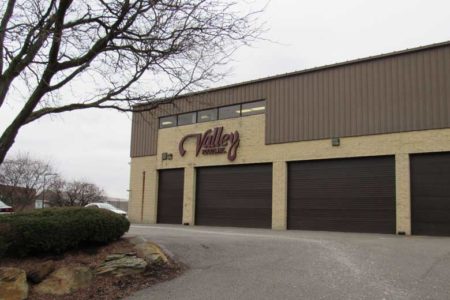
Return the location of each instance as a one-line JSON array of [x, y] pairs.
[[23, 178], [130, 51], [55, 193], [81, 193], [75, 193]]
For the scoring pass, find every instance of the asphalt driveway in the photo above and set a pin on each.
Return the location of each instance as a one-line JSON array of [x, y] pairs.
[[257, 264]]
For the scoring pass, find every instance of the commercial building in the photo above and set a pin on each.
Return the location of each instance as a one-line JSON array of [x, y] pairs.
[[360, 146]]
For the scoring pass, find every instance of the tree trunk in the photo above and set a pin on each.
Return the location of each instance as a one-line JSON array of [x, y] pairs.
[[7, 139], [4, 87], [9, 135]]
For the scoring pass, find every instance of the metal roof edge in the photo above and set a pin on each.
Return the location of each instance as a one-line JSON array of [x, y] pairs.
[[300, 72]]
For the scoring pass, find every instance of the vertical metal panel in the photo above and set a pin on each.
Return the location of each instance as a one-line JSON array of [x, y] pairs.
[[298, 109], [293, 108], [445, 83], [331, 102], [404, 92]]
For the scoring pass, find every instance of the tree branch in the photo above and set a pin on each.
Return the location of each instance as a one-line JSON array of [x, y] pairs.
[[29, 50], [3, 25], [112, 44], [99, 46]]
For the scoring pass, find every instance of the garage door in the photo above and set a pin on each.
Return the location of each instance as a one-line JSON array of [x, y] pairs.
[[353, 195], [170, 196], [239, 196], [430, 193]]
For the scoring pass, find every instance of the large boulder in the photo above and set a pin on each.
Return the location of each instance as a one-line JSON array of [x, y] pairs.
[[122, 264], [65, 280], [13, 284], [38, 274], [150, 252]]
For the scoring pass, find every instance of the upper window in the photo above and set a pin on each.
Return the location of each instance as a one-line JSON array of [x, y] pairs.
[[185, 119], [253, 108], [207, 115], [227, 112], [168, 122]]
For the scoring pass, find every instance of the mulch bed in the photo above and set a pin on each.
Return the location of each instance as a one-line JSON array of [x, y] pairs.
[[104, 286]]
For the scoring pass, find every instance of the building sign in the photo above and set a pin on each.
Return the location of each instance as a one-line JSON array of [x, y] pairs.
[[213, 141]]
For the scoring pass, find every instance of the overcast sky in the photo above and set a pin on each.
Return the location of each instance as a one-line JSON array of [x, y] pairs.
[[94, 145]]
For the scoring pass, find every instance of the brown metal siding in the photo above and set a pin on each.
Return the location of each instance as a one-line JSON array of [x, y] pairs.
[[237, 196], [170, 196], [405, 92], [144, 134], [367, 98], [352, 194], [430, 193]]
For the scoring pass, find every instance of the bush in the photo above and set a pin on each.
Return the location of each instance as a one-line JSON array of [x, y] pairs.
[[3, 246], [55, 230]]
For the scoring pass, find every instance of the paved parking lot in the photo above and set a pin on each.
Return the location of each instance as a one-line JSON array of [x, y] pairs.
[[228, 263]]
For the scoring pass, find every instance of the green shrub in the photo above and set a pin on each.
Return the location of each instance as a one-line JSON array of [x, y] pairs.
[[55, 230], [3, 246]]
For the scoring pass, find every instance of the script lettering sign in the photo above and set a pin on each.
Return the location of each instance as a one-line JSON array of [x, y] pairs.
[[213, 141]]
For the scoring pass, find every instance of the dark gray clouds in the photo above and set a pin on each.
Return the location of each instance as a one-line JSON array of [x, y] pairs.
[[94, 145]]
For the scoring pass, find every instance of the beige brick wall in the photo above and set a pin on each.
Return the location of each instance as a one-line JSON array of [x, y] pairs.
[[252, 149], [138, 166], [403, 193], [279, 195], [189, 195]]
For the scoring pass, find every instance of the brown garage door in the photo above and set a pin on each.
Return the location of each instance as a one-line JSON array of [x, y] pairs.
[[239, 196], [170, 196], [353, 195], [430, 193]]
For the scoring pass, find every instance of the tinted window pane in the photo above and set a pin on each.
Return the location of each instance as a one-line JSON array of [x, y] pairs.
[[253, 108], [185, 119], [232, 111], [207, 115], [167, 122]]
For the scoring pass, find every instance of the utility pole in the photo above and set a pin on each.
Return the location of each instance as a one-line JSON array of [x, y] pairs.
[[43, 189]]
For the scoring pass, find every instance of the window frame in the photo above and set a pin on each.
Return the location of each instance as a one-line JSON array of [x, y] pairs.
[[194, 113], [240, 111], [165, 117], [217, 109], [262, 113]]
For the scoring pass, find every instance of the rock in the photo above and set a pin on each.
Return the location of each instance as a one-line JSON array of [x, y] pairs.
[[114, 257], [137, 240], [65, 280], [13, 284], [150, 252], [37, 275], [122, 266], [119, 255]]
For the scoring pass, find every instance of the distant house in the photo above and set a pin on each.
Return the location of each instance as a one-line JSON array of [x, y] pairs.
[[20, 198], [44, 199], [40, 203]]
